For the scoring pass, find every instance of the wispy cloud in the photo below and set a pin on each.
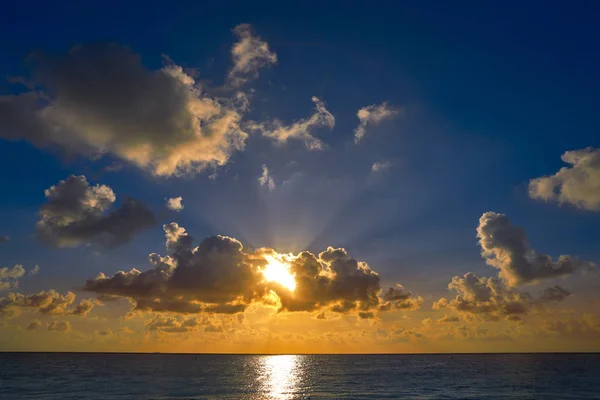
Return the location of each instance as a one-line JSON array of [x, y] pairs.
[[34, 271], [300, 130], [380, 166], [372, 115], [250, 54], [266, 180]]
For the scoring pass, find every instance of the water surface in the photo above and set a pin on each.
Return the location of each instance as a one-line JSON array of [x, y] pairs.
[[42, 376]]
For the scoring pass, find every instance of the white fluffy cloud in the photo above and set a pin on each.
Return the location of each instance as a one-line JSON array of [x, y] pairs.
[[372, 115], [100, 98], [505, 246], [250, 54], [299, 130], [266, 180], [578, 184], [77, 213], [174, 203]]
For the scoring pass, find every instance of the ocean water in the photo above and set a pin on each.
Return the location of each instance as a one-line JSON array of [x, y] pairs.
[[37, 376]]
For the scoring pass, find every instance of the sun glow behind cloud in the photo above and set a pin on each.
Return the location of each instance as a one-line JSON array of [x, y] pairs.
[[279, 271]]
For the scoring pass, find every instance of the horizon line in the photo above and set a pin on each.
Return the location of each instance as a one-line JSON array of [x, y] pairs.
[[297, 354]]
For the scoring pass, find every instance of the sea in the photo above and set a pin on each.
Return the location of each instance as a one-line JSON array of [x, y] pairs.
[[63, 376]]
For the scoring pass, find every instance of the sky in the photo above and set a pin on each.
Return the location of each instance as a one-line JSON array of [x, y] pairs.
[[405, 177]]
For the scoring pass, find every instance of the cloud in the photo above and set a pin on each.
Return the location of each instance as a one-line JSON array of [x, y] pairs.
[[380, 166], [125, 330], [105, 332], [266, 180], [213, 328], [578, 184], [173, 324], [59, 326], [77, 213], [47, 303], [554, 294], [505, 246], [300, 130], [9, 277], [189, 279], [100, 99], [586, 327], [491, 298], [174, 203], [34, 325], [83, 308], [332, 280], [442, 331], [4, 238], [488, 297], [34, 271], [448, 318], [401, 334], [219, 276], [372, 115], [113, 167], [250, 54], [401, 299]]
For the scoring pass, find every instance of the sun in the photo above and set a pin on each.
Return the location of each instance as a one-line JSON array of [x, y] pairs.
[[278, 271]]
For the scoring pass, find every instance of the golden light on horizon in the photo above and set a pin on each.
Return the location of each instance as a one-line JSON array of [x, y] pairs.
[[279, 271]]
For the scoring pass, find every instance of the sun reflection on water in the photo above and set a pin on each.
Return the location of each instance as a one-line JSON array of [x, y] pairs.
[[281, 376]]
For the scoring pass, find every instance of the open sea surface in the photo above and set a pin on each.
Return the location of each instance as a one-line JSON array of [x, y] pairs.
[[42, 376]]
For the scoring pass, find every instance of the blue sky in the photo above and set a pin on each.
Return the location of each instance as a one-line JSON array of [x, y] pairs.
[[491, 95]]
